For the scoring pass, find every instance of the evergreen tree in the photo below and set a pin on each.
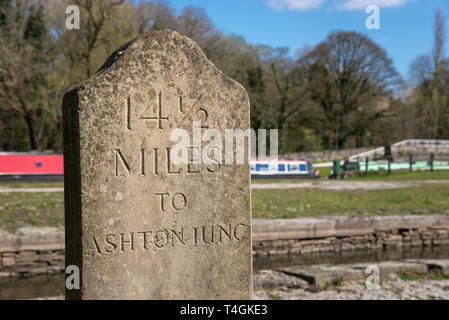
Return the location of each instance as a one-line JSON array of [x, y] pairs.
[[6, 16], [36, 31]]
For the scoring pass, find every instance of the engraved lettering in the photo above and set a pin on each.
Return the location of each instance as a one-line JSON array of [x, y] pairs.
[[226, 232], [203, 112], [179, 236], [195, 230], [119, 155], [162, 200], [161, 238], [97, 247], [159, 117], [169, 169], [210, 237], [137, 165], [142, 162], [164, 238], [156, 171], [123, 241], [123, 166], [179, 201], [111, 243], [145, 238], [193, 160], [235, 232]]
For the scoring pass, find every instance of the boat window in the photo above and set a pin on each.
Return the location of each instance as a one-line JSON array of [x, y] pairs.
[[302, 167], [262, 167], [281, 167]]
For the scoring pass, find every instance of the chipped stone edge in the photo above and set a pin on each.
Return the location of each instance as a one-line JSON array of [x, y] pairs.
[[121, 52]]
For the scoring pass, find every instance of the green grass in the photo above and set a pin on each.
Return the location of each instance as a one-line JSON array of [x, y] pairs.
[[273, 296], [47, 209], [325, 172], [31, 209], [416, 175], [398, 176], [413, 276], [21, 185], [292, 203]]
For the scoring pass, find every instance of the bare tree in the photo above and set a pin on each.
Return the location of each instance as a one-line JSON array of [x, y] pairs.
[[194, 23], [97, 14], [155, 15], [349, 78], [24, 48], [439, 39]]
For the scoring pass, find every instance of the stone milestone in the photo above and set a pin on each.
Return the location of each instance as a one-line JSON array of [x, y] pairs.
[[139, 225]]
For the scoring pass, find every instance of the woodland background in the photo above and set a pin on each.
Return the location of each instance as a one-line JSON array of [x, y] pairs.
[[342, 93]]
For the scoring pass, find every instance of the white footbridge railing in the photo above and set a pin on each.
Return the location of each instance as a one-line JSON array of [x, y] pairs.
[[420, 143]]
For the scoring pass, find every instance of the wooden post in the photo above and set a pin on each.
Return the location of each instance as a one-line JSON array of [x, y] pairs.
[[366, 166], [431, 161]]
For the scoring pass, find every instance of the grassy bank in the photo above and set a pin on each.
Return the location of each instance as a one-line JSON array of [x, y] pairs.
[[398, 176], [416, 175], [292, 203], [28, 185], [47, 209], [31, 209]]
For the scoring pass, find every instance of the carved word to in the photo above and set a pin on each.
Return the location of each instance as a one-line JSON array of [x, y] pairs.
[[178, 201]]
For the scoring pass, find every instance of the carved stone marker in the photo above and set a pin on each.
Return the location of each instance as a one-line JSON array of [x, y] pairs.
[[138, 225]]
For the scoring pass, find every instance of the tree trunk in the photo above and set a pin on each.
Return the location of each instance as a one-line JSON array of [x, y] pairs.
[[34, 139]]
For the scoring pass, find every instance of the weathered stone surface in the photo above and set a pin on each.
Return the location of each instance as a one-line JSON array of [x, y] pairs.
[[388, 267], [8, 261], [139, 226], [8, 241], [433, 264], [42, 238], [346, 226], [322, 275], [274, 229], [274, 279]]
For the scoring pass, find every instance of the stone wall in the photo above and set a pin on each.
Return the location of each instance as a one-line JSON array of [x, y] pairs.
[[31, 251], [34, 251], [301, 236]]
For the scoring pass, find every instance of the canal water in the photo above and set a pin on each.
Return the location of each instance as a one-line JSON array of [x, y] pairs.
[[53, 286]]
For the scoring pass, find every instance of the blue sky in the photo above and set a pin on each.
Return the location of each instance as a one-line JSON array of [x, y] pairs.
[[406, 26]]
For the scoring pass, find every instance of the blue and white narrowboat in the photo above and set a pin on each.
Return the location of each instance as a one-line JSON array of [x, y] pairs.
[[283, 169]]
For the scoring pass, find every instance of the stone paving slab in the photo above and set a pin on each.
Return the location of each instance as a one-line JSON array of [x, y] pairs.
[[322, 275], [388, 267], [433, 264], [392, 289], [273, 279], [32, 238]]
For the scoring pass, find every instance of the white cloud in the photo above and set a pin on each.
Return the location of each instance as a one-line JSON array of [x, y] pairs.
[[295, 5], [302, 5], [361, 4]]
